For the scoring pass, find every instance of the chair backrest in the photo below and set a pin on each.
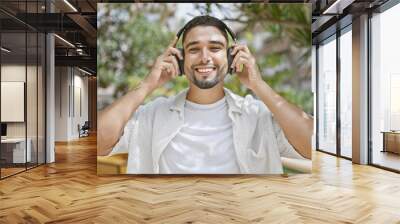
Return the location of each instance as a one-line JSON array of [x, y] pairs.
[[86, 125]]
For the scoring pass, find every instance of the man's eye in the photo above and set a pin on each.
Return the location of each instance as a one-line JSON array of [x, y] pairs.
[[193, 50], [215, 49]]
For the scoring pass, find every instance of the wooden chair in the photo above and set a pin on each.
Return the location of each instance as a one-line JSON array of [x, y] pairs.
[[115, 164]]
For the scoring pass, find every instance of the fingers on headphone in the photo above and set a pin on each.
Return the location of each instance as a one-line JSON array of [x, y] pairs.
[[240, 47], [171, 61], [169, 68], [240, 63], [241, 58], [175, 51]]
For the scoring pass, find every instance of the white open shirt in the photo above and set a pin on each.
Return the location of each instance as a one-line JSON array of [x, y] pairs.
[[258, 140]]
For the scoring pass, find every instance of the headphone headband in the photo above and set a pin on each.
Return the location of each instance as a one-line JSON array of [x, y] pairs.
[[227, 29], [229, 50]]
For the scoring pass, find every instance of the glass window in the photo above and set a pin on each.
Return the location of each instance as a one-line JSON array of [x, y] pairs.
[[385, 84], [327, 96], [14, 153], [346, 93], [22, 91], [31, 96]]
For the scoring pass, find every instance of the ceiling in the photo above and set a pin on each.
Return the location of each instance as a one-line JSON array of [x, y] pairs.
[[330, 15], [72, 20], [76, 22]]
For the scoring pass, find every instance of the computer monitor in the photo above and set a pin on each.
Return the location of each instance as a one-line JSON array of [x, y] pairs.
[[3, 129]]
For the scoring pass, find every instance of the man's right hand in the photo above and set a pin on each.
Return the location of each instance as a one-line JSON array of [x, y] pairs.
[[112, 119], [165, 68]]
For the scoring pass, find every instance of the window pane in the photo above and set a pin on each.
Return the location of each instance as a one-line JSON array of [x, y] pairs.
[[14, 149], [346, 94], [31, 97], [386, 88], [327, 96]]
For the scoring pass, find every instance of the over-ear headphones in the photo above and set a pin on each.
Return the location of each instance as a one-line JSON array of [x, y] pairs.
[[228, 52]]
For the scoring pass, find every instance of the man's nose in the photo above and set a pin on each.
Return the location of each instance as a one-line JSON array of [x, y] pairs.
[[205, 56]]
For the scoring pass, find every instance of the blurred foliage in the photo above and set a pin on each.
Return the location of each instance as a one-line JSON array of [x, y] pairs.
[[129, 42], [131, 36]]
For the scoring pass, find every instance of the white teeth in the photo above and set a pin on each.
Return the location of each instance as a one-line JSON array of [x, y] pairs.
[[204, 70]]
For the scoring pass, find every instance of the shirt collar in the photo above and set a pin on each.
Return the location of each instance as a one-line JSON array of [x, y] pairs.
[[233, 101]]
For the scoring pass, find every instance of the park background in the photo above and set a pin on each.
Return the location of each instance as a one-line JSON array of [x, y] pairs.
[[131, 36]]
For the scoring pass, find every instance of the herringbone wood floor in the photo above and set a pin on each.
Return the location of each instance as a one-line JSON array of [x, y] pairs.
[[69, 191]]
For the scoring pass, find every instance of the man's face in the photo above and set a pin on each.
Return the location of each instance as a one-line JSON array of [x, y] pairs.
[[206, 62]]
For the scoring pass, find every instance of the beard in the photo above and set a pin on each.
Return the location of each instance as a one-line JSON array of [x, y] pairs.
[[208, 84]]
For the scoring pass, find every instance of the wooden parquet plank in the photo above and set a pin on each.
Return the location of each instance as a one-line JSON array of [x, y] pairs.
[[69, 191]]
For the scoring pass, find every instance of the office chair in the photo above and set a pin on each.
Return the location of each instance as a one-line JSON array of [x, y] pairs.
[[84, 130]]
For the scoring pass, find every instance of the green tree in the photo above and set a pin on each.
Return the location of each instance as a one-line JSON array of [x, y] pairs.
[[131, 36], [129, 41]]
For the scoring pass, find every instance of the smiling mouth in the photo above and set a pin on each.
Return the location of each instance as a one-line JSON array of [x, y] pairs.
[[205, 71]]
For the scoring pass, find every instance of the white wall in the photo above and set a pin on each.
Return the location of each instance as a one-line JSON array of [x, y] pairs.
[[62, 80], [71, 87]]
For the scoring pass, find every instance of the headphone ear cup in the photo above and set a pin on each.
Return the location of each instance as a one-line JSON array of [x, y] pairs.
[[181, 62], [230, 59]]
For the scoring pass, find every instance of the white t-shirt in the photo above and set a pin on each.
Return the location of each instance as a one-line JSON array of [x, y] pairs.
[[204, 144]]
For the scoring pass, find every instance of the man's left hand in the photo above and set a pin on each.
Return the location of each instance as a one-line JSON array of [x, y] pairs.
[[245, 66]]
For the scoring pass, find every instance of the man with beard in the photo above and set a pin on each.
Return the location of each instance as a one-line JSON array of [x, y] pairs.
[[206, 128]]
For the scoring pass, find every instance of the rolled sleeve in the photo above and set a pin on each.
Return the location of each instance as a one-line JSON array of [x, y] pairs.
[[144, 114], [122, 145], [285, 148]]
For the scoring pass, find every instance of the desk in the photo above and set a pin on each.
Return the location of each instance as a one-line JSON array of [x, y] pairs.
[[391, 141], [15, 148]]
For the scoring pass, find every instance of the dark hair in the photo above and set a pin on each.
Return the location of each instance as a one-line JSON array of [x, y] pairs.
[[205, 21]]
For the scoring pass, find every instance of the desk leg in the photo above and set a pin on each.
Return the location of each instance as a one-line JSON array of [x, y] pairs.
[[384, 142]]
